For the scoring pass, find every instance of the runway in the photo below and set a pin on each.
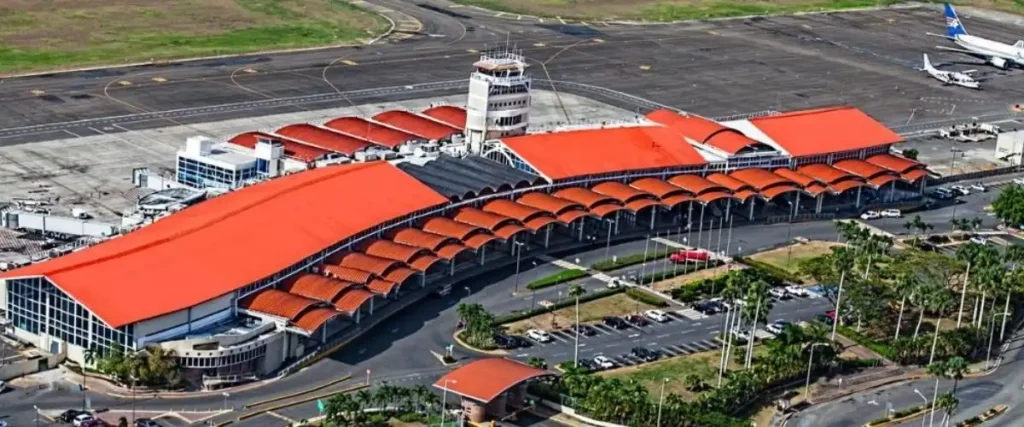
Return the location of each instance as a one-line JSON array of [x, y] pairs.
[[718, 68]]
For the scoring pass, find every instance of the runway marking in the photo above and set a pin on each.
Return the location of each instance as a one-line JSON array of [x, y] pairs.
[[456, 6], [472, 51], [72, 133], [349, 62], [519, 18], [598, 40], [499, 14], [37, 92], [124, 82], [645, 67], [559, 18], [250, 71], [159, 79], [714, 33], [539, 44], [585, 23], [275, 414]]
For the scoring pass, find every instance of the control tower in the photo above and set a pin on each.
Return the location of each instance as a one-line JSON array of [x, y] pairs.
[[499, 98]]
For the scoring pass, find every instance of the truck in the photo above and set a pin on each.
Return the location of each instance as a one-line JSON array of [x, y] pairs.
[[80, 213], [689, 255]]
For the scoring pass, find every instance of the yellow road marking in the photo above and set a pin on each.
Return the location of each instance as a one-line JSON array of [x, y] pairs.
[[598, 40], [124, 82], [539, 44], [38, 92], [349, 62], [472, 51], [645, 67], [159, 79]]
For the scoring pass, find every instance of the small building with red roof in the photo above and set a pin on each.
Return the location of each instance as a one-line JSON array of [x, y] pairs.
[[490, 388]]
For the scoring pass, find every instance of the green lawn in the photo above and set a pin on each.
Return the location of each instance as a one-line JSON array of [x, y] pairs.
[[665, 10], [44, 35], [676, 369], [789, 257]]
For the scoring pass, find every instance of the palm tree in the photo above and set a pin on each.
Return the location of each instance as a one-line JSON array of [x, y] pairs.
[[947, 402], [89, 357], [918, 225], [1012, 280], [956, 367], [987, 271], [758, 300], [904, 285], [734, 286], [938, 302], [576, 291], [939, 371]]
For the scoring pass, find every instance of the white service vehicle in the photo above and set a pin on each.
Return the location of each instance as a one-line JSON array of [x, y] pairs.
[[656, 315], [604, 362], [796, 290], [870, 215], [538, 335], [891, 213]]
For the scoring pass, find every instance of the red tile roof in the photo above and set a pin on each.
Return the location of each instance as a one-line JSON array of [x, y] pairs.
[[484, 379], [424, 127], [479, 218], [230, 241], [825, 173], [348, 274], [760, 179], [703, 131], [620, 191], [451, 228], [561, 155], [370, 131], [277, 302], [352, 299], [658, 187], [395, 251], [582, 196], [313, 319], [549, 203], [520, 212], [315, 286], [381, 287], [695, 184], [729, 182], [292, 148], [825, 130], [324, 138], [894, 163], [861, 168], [399, 274], [361, 261], [455, 116]]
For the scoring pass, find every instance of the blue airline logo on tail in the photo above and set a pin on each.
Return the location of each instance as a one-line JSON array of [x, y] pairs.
[[953, 26]]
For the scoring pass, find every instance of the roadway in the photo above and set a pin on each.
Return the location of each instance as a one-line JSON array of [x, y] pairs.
[[717, 68]]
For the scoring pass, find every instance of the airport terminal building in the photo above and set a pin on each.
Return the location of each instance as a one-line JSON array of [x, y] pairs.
[[251, 281]]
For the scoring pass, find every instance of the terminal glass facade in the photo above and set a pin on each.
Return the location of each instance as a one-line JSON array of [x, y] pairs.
[[37, 306], [202, 175]]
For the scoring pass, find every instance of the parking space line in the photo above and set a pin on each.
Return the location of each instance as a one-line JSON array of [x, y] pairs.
[[669, 351], [713, 344]]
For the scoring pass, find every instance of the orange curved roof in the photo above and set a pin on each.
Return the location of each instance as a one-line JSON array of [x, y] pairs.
[[676, 200], [370, 131], [604, 210], [776, 190], [825, 130], [861, 168], [815, 188], [395, 251], [797, 177], [485, 379], [225, 243], [479, 218], [703, 131], [715, 195], [415, 124], [881, 180], [478, 240], [744, 194], [277, 302], [639, 204], [894, 163], [825, 173], [292, 148], [760, 179], [361, 261], [398, 275], [348, 274], [381, 287], [584, 197], [540, 222], [324, 138], [520, 212], [561, 155], [455, 116], [451, 250], [313, 319], [449, 227], [423, 262], [657, 187], [548, 202], [508, 230], [351, 300], [729, 182], [845, 185], [315, 286], [696, 185], [914, 175], [570, 216], [620, 191], [416, 237]]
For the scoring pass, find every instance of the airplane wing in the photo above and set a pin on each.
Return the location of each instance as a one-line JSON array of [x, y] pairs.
[[969, 71], [965, 51], [940, 35]]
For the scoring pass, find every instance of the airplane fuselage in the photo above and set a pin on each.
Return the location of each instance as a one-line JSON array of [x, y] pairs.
[[990, 48]]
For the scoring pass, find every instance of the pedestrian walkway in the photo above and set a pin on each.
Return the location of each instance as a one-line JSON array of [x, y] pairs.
[[691, 314], [671, 243], [568, 265]]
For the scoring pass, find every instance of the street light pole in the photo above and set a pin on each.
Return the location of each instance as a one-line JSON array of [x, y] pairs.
[[444, 398], [925, 404], [226, 396], [661, 399], [576, 345], [608, 244], [519, 253], [37, 414], [810, 363]]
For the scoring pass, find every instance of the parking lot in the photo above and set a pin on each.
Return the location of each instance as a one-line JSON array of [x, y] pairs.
[[686, 332]]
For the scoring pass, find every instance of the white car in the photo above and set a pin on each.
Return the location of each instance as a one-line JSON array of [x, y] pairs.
[[81, 419], [1018, 181], [656, 315], [741, 334], [979, 187], [869, 215], [979, 240], [604, 362], [778, 293], [960, 189], [777, 326], [796, 290], [538, 335], [892, 213]]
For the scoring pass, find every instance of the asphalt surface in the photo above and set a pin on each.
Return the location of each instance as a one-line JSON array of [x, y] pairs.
[[720, 68]]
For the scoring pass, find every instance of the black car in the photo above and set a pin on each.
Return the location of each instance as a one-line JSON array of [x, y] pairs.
[[506, 342], [644, 354], [146, 422], [706, 307], [637, 320], [521, 342], [588, 364], [70, 415], [584, 330], [615, 322]]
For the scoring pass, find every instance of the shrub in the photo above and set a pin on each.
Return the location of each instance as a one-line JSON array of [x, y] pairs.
[[646, 298], [554, 279], [628, 260]]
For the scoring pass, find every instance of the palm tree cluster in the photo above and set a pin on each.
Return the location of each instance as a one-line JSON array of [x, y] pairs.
[[1009, 205], [478, 325], [153, 366], [954, 369], [374, 408]]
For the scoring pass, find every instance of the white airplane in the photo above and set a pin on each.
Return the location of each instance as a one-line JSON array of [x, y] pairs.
[[962, 78], [996, 53]]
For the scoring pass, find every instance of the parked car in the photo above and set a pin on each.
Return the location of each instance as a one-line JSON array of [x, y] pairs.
[[740, 333], [779, 293], [521, 341], [644, 354], [706, 307], [979, 187], [69, 415], [1018, 181], [146, 422], [587, 364], [828, 318], [892, 213], [943, 193], [95, 422], [979, 240], [637, 320], [584, 330], [777, 326], [505, 342], [615, 322], [870, 215], [603, 362], [686, 255], [81, 419], [657, 315], [538, 335], [960, 189], [796, 290]]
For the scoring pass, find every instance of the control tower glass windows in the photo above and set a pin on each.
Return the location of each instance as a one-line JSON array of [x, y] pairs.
[[508, 121], [509, 90]]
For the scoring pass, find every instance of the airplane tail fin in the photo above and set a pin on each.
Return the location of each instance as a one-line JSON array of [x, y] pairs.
[[927, 65], [953, 25]]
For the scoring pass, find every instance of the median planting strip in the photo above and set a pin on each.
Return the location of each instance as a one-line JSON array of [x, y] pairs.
[[630, 260], [298, 393], [554, 279], [301, 401]]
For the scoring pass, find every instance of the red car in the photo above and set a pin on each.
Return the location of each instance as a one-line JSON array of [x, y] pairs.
[[689, 255]]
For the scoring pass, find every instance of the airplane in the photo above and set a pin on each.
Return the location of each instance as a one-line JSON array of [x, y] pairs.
[[951, 77], [996, 53]]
